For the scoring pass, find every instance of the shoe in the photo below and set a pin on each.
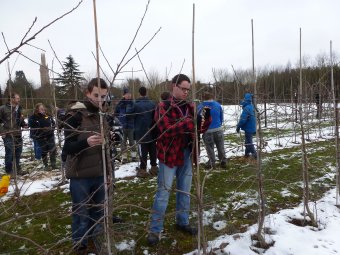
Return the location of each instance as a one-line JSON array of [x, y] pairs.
[[142, 173], [54, 167], [124, 161], [187, 229], [82, 250], [152, 239], [116, 219], [209, 166], [22, 172], [223, 164], [46, 168], [154, 171]]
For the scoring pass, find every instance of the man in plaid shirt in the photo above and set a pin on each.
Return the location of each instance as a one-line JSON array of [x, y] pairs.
[[175, 121]]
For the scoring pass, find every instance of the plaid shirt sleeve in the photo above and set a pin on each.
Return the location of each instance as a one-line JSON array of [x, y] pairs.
[[170, 124]]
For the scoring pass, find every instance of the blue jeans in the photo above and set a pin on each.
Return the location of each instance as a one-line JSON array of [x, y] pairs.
[[37, 150], [13, 145], [88, 196], [250, 148], [183, 183]]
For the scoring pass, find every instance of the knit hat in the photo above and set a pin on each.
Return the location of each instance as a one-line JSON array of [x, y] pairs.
[[125, 91]]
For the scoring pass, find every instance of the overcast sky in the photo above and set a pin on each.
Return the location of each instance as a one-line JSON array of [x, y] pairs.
[[222, 34]]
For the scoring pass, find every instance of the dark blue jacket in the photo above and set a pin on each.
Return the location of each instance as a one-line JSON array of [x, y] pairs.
[[247, 120], [144, 110], [42, 126], [124, 112]]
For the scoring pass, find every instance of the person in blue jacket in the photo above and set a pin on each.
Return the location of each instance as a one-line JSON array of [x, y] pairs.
[[214, 135], [247, 123], [144, 111], [124, 112]]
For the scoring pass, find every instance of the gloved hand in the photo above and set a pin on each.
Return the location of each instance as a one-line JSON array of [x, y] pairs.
[[238, 129]]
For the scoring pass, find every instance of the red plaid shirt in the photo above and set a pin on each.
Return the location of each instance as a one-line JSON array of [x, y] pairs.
[[176, 131]]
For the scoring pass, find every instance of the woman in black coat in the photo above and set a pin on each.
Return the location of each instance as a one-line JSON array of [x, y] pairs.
[[42, 126]]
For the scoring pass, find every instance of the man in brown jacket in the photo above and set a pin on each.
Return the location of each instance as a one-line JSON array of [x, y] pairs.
[[84, 165]]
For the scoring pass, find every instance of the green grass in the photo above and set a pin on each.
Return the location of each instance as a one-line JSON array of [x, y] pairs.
[[229, 194]]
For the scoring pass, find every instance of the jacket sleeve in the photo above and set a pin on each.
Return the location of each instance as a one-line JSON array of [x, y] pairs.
[[243, 118], [169, 127], [32, 124], [221, 114], [2, 120], [72, 145]]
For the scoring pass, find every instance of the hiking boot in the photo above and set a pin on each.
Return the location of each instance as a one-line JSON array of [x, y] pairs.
[[154, 171], [46, 168], [152, 239], [22, 172], [125, 160], [82, 250], [54, 166], [142, 173], [223, 164], [116, 219], [208, 166], [192, 230]]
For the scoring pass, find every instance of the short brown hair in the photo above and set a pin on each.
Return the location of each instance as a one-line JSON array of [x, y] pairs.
[[36, 108], [94, 83], [12, 95], [208, 96]]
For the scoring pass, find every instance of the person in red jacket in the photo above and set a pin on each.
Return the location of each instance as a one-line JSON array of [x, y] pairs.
[[175, 123]]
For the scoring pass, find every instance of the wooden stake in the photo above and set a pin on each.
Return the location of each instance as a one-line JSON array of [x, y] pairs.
[[336, 119], [107, 174], [305, 173]]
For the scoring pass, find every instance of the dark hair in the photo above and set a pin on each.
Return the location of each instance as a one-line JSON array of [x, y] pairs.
[[179, 78], [12, 95], [208, 96], [94, 83], [165, 95], [142, 91]]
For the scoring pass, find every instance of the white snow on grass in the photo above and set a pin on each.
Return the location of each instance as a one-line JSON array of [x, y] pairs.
[[289, 238]]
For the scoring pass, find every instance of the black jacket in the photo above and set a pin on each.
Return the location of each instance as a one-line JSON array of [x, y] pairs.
[[42, 126]]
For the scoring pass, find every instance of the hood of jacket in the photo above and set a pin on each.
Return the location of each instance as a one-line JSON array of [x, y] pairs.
[[247, 99]]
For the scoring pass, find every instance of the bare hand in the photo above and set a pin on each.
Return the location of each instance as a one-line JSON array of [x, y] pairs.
[[94, 140]]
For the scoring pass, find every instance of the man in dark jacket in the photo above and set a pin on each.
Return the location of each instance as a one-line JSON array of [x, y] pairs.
[[175, 122], [42, 127], [124, 112], [11, 122], [248, 124], [84, 165], [144, 110]]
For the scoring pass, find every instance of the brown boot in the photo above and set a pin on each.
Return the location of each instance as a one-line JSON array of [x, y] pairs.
[[154, 171], [142, 173]]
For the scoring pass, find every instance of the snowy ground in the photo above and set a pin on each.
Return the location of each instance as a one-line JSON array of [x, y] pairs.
[[288, 238]]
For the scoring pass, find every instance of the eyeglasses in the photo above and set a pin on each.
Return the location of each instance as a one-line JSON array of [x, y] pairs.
[[184, 90]]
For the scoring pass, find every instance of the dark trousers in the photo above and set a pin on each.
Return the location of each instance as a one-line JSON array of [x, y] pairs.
[[13, 146], [88, 196], [144, 150], [47, 145], [250, 148]]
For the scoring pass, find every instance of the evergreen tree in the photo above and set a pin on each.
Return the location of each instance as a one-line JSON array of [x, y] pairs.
[[70, 80], [20, 85]]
